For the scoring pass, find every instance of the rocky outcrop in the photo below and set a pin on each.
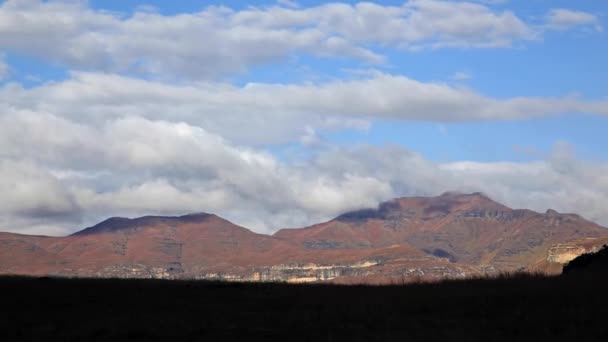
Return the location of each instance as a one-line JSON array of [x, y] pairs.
[[593, 263], [563, 253], [298, 273]]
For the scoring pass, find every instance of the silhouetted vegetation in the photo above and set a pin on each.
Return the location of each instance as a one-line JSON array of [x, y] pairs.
[[505, 308], [589, 263]]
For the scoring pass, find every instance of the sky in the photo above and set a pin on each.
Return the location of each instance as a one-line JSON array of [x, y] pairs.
[[277, 114]]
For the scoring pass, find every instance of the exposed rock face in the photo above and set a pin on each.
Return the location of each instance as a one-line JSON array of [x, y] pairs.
[[562, 254], [452, 235], [593, 263], [296, 273]]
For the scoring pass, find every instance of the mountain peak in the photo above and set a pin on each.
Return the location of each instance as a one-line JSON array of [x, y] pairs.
[[422, 207], [454, 193], [114, 224], [551, 212], [453, 201]]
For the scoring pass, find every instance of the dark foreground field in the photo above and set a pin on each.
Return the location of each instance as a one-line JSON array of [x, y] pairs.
[[507, 309]]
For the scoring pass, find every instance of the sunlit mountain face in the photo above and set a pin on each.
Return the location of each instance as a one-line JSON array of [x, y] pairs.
[[452, 236], [287, 114]]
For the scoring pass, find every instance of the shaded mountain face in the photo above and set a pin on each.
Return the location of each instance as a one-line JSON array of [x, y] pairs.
[[116, 224], [452, 235]]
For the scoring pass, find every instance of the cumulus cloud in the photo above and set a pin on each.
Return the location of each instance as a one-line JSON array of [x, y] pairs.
[[58, 175], [199, 45], [33, 192], [263, 113], [218, 40], [103, 142], [137, 166], [564, 19]]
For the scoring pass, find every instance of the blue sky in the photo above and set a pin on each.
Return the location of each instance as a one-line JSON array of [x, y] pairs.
[[561, 63], [297, 111]]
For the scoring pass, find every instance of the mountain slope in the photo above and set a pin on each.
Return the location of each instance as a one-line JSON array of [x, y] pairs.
[[452, 235], [470, 229], [148, 246]]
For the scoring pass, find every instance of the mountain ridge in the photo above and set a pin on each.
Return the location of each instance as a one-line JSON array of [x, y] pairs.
[[119, 223], [356, 213], [446, 236]]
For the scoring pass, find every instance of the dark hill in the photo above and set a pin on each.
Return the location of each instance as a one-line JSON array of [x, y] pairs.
[[595, 263], [506, 308], [114, 224]]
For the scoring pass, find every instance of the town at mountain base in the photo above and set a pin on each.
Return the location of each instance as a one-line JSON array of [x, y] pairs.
[[415, 238]]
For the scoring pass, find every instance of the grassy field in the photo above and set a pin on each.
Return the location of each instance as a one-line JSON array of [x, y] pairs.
[[514, 308]]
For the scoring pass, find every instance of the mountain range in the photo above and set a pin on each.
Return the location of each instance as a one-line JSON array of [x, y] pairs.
[[448, 236]]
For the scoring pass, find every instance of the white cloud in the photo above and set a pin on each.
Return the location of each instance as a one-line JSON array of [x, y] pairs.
[[106, 145], [259, 113], [288, 3], [135, 166], [218, 40], [561, 182], [157, 167], [461, 76], [30, 191], [564, 19], [58, 175], [100, 144], [199, 45]]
